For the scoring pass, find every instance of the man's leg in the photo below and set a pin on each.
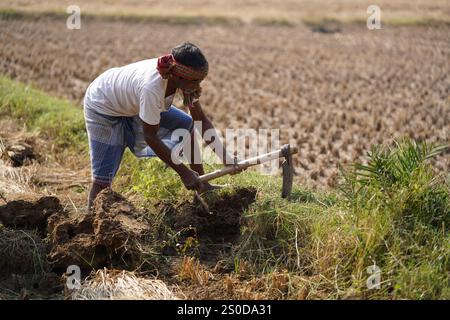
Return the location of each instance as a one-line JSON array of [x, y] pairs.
[[105, 161], [106, 147]]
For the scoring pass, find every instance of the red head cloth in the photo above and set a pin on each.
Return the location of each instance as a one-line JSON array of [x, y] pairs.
[[168, 65]]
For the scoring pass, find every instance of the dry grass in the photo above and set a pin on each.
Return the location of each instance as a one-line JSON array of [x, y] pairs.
[[277, 285], [16, 181], [191, 269], [121, 285], [22, 251]]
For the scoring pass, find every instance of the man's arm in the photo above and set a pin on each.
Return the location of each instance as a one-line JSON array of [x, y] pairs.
[[189, 177]]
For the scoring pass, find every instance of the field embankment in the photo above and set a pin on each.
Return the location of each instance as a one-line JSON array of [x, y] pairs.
[[268, 12], [391, 212]]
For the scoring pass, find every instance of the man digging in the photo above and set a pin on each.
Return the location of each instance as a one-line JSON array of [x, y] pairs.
[[131, 106]]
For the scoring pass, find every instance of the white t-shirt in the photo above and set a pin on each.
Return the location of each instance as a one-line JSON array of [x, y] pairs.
[[134, 89]]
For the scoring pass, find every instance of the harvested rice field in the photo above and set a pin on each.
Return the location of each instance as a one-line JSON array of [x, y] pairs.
[[331, 94]]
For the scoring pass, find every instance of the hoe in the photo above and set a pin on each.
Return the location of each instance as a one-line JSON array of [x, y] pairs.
[[285, 152]]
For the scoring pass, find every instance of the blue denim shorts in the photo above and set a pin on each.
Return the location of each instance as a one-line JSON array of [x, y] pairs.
[[109, 136]]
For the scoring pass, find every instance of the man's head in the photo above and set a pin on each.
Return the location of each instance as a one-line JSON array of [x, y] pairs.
[[186, 67]]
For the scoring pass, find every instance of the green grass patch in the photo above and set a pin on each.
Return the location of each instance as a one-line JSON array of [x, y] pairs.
[[56, 119], [171, 19], [336, 24], [314, 22], [393, 213]]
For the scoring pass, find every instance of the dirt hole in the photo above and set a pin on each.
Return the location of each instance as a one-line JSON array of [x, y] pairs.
[[22, 214], [214, 233]]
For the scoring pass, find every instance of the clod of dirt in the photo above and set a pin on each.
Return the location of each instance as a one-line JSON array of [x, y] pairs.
[[21, 214], [116, 220], [114, 235], [18, 154]]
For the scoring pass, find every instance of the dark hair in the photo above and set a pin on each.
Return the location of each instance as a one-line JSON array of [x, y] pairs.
[[190, 55]]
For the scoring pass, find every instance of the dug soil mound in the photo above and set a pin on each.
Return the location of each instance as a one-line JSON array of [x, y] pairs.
[[39, 239], [114, 235]]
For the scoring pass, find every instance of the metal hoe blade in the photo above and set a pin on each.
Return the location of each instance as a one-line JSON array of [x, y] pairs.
[[288, 171]]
